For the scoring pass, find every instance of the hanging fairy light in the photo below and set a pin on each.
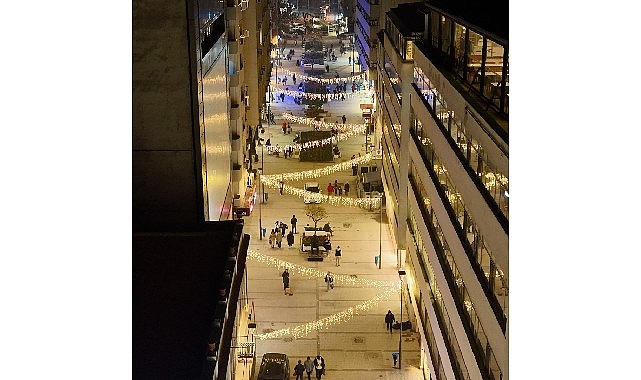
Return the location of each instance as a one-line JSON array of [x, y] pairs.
[[355, 128], [313, 144], [274, 181], [388, 289], [309, 273], [326, 80], [328, 96]]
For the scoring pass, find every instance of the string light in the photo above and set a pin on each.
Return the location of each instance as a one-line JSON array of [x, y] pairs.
[[356, 128], [326, 80], [274, 181], [313, 144], [388, 290], [329, 96]]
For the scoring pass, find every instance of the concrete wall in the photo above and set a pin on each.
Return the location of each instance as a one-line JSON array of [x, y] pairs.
[[167, 180]]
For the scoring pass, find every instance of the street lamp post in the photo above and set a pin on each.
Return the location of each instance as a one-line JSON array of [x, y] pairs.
[[380, 234], [401, 273], [352, 39]]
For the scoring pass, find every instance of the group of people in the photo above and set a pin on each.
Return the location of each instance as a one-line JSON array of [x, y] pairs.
[[276, 235], [337, 189], [318, 365]]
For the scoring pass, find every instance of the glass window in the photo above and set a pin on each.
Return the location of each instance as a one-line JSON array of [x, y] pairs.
[[446, 35], [474, 58], [459, 49], [434, 26], [493, 70]]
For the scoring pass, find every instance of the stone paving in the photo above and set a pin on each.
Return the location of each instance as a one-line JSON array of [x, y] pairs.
[[360, 348]]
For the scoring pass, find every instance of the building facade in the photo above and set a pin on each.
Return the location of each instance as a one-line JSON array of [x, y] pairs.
[[442, 89]]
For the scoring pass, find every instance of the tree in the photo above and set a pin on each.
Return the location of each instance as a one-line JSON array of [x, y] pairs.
[[316, 212]]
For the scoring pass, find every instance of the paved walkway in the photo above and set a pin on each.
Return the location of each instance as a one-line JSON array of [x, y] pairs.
[[360, 348]]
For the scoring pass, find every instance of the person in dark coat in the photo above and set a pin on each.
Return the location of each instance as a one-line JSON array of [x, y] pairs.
[[389, 320], [285, 276], [319, 364], [290, 238], [293, 221], [346, 189], [300, 370]]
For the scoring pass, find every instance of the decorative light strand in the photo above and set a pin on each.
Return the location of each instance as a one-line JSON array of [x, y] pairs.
[[313, 144], [274, 181], [332, 320], [356, 128], [388, 290], [309, 273], [326, 80], [328, 96]]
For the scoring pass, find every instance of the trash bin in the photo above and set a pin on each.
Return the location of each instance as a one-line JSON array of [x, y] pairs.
[[376, 260]]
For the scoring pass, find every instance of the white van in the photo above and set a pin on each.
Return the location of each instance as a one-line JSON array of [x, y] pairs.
[[312, 187]]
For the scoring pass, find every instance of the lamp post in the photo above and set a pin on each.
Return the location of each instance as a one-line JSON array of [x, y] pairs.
[[401, 273], [380, 233]]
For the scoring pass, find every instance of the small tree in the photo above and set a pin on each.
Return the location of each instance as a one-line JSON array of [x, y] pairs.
[[316, 212]]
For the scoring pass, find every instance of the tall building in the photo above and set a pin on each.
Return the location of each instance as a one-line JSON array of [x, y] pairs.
[[442, 88], [197, 97]]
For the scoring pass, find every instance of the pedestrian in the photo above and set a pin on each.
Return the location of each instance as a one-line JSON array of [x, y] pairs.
[[283, 227], [299, 370], [319, 365], [285, 276], [344, 119], [284, 126], [293, 221], [282, 186], [290, 238], [294, 78], [338, 256], [349, 60], [346, 189], [279, 238], [309, 367], [335, 187], [330, 189], [389, 320], [329, 281], [272, 238], [354, 169], [395, 357]]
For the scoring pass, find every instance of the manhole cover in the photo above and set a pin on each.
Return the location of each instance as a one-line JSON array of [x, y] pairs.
[[359, 339]]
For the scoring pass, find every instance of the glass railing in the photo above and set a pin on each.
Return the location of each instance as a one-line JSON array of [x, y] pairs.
[[495, 182], [462, 295], [495, 283]]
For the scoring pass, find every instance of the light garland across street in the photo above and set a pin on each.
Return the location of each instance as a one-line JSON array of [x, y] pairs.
[[328, 96], [325, 80], [274, 181], [356, 128], [313, 144], [387, 289]]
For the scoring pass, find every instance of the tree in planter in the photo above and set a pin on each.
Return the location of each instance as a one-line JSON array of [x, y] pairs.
[[317, 213]]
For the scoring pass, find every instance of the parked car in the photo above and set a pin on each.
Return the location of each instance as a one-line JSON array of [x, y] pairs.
[[314, 188], [274, 366]]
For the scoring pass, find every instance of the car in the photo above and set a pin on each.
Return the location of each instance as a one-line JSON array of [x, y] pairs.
[[314, 188], [274, 366]]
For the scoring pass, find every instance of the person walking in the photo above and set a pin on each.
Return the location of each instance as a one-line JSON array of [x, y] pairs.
[[309, 368], [279, 238], [338, 256], [346, 189], [330, 189], [290, 238], [272, 238], [285, 276], [344, 119], [294, 221], [389, 320], [329, 281], [335, 187], [299, 370], [319, 365]]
